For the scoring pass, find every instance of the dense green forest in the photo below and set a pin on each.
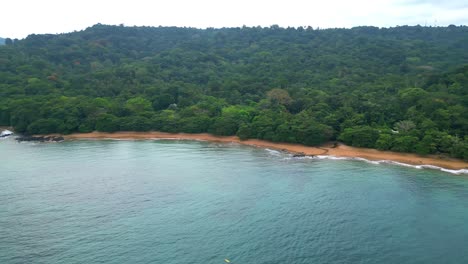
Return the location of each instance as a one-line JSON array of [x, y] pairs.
[[402, 89]]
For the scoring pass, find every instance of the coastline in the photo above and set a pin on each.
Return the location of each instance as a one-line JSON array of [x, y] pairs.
[[340, 151]]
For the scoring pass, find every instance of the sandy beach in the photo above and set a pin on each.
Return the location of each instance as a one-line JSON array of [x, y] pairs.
[[337, 151]]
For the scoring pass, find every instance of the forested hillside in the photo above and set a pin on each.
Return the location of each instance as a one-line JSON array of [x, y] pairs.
[[401, 89]]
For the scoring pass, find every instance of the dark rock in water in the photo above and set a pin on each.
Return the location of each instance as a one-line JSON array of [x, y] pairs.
[[40, 138], [299, 155]]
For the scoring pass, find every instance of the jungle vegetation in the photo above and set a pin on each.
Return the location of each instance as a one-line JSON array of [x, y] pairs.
[[401, 89]]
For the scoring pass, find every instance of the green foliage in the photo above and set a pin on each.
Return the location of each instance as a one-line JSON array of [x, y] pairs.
[[4, 115], [263, 125], [405, 126], [134, 123], [305, 130], [384, 142], [411, 96], [460, 149], [244, 132], [360, 136], [279, 96], [107, 123], [230, 119], [138, 105], [87, 126], [195, 124], [44, 126], [405, 143], [313, 134], [427, 145], [288, 85], [166, 121]]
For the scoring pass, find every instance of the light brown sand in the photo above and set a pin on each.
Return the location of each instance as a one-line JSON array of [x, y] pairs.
[[338, 151]]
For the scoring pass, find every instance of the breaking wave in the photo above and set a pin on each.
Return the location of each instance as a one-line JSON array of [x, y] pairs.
[[379, 162]]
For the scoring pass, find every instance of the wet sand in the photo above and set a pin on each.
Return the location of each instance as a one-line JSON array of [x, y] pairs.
[[327, 149]]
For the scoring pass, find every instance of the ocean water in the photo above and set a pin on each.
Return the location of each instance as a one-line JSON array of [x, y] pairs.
[[197, 202]]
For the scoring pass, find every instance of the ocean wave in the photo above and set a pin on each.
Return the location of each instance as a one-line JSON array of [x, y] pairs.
[[274, 152], [379, 162]]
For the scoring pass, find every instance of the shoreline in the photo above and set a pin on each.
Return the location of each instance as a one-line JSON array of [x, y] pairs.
[[340, 151]]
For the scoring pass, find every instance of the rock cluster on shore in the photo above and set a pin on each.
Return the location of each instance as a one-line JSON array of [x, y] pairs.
[[299, 155], [41, 138]]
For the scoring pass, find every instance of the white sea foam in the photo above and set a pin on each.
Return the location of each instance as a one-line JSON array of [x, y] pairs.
[[462, 171], [116, 139], [379, 162], [330, 157], [273, 152]]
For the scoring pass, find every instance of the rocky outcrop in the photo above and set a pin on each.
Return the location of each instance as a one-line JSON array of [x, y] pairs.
[[40, 138], [299, 155]]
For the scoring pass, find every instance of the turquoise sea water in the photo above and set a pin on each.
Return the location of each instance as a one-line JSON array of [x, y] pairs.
[[197, 202]]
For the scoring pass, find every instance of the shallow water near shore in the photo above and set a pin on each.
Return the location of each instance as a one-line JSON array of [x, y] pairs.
[[92, 201]]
